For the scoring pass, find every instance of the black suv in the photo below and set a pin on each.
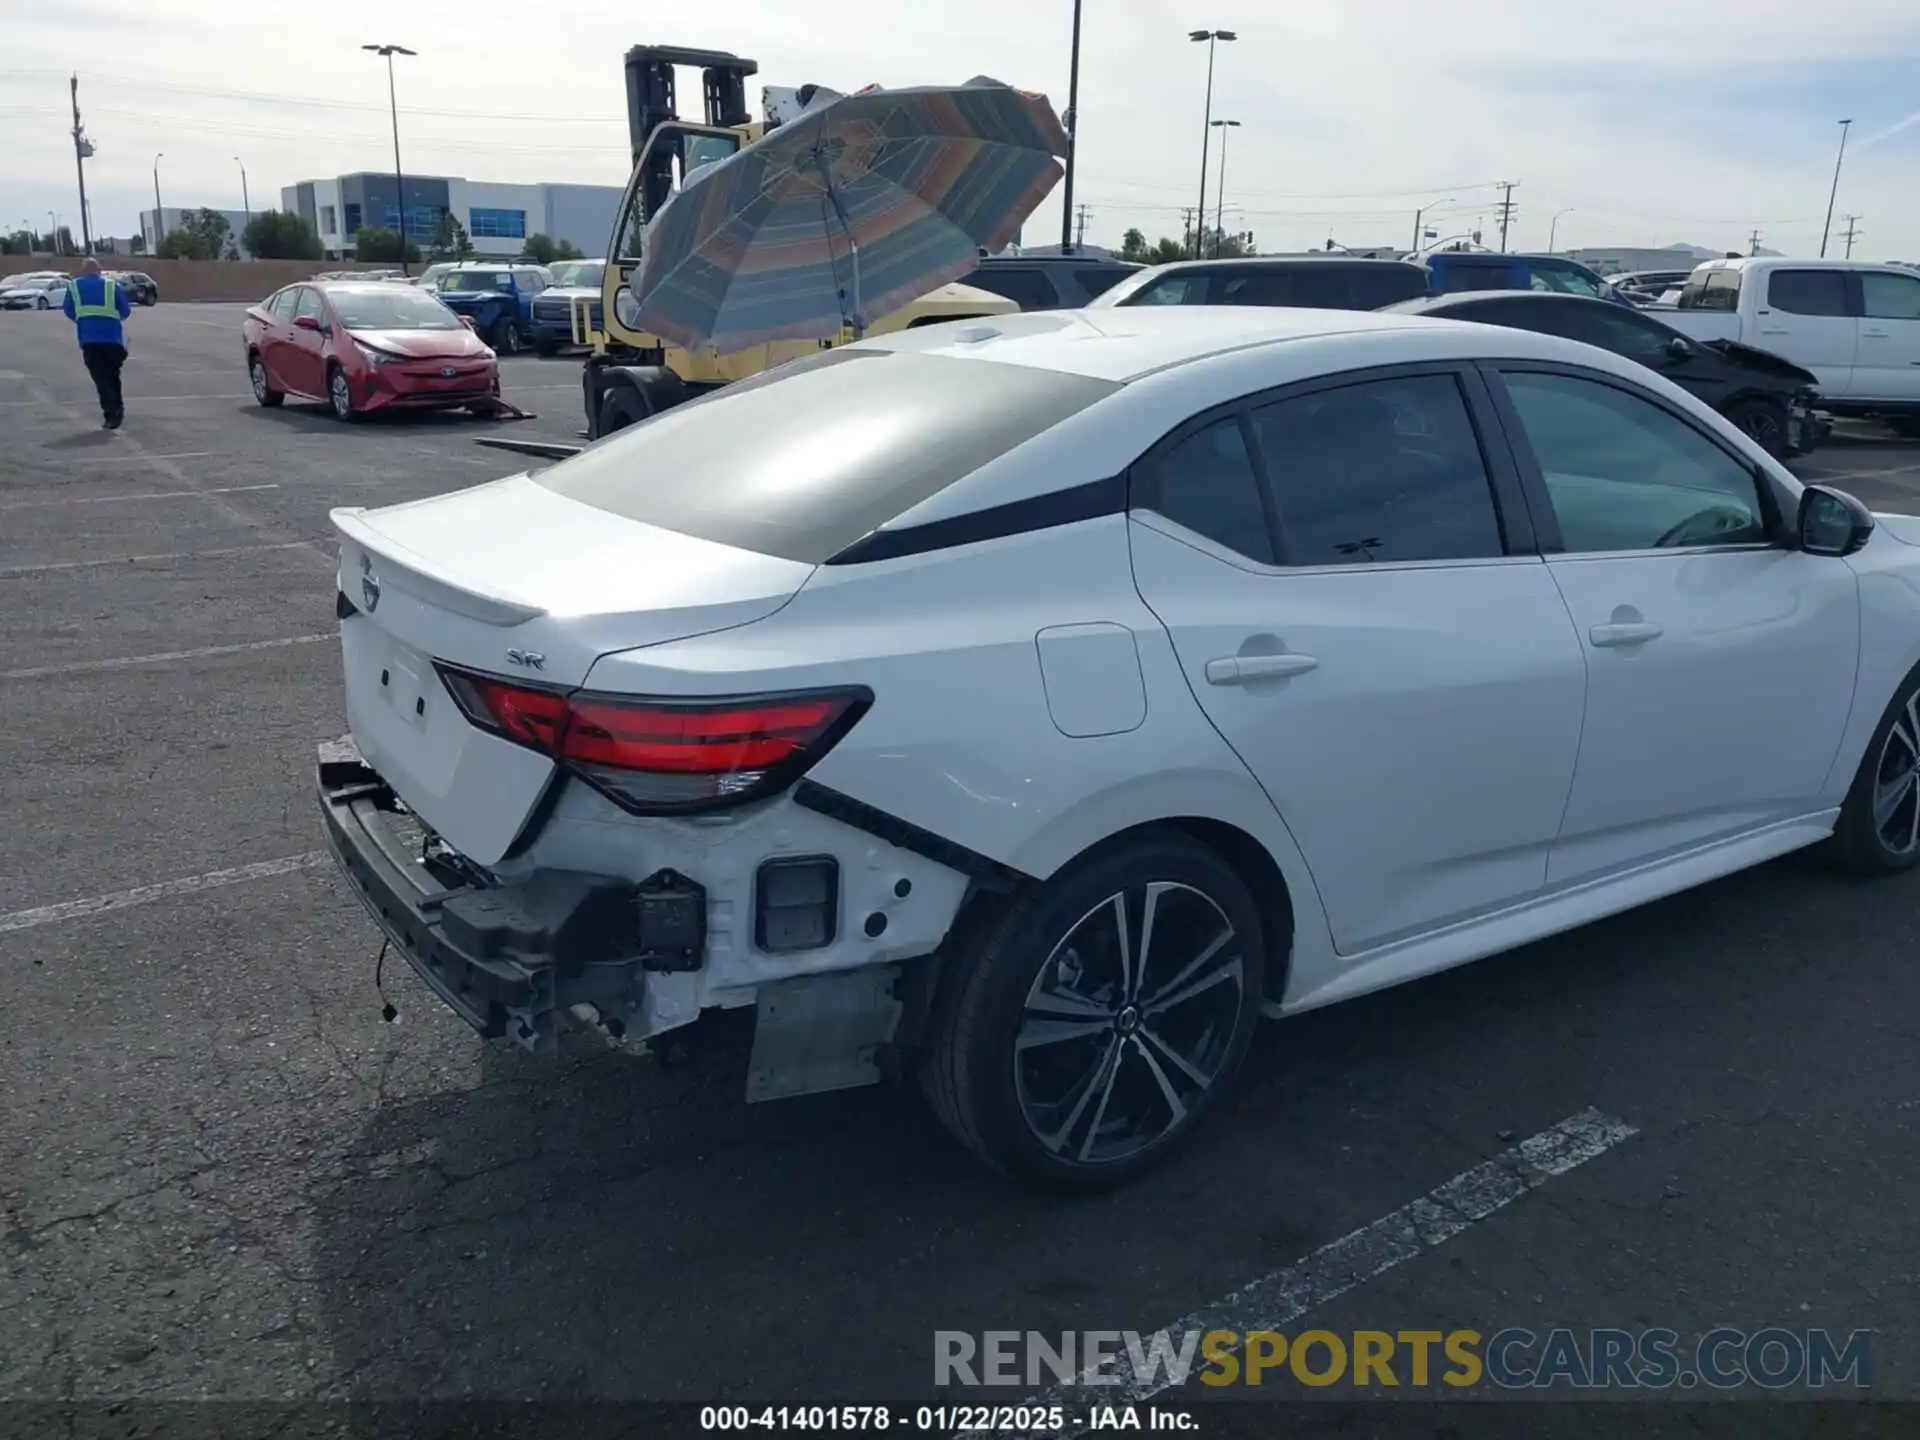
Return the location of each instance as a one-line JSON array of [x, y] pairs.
[[1048, 282], [141, 289], [1311, 282]]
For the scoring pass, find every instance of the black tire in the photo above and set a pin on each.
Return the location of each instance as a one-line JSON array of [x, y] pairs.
[[1860, 842], [996, 1102], [1905, 426], [263, 392], [1765, 422], [546, 349], [340, 395], [43, 304], [619, 408], [506, 335]]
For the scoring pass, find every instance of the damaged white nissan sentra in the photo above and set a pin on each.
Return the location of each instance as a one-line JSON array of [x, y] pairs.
[[1042, 701]]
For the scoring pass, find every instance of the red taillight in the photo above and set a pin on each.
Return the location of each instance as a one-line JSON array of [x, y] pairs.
[[655, 756]]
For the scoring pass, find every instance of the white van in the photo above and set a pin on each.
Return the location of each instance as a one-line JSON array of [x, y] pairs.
[[1854, 323]]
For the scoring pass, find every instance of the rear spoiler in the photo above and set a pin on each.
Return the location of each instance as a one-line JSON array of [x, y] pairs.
[[461, 597]]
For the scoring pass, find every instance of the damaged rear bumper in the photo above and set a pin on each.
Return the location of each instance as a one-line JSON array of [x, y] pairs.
[[508, 961]]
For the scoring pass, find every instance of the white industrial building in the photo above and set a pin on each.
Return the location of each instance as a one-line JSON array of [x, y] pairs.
[[497, 217]]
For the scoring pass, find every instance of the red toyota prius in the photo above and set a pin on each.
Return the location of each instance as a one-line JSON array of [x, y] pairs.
[[365, 346]]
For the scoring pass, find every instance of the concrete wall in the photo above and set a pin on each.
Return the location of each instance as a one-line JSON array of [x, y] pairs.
[[193, 279]]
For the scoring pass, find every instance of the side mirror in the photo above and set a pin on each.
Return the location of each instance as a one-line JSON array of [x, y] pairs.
[[1832, 522], [307, 322], [467, 320], [1679, 348]]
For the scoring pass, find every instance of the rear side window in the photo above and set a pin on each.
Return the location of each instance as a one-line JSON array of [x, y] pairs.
[[1382, 471], [1808, 292], [1711, 290], [1187, 288], [1277, 288], [1207, 483], [1098, 282], [805, 459], [1030, 289], [282, 304], [1378, 285]]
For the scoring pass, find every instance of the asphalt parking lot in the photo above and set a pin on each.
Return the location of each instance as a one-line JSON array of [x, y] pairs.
[[221, 1174]]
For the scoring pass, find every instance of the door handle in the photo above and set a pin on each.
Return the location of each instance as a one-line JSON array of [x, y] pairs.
[[1773, 329], [1638, 633], [1241, 669], [1874, 334]]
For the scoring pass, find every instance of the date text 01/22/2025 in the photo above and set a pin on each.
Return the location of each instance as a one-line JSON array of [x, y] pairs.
[[941, 1419]]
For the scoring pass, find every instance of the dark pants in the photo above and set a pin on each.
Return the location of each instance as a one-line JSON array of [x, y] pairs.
[[103, 364]]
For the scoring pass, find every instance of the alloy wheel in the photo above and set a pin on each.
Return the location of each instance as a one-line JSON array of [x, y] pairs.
[[341, 396], [259, 373], [1129, 1023], [1896, 783]]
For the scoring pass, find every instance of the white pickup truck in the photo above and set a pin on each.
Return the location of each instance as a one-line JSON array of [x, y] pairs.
[[1853, 323]]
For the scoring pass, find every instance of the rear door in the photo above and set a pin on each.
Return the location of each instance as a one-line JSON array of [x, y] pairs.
[[1887, 365], [1345, 572], [1806, 316]]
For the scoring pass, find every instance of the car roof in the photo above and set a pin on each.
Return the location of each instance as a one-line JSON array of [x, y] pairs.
[[1278, 262], [1126, 343], [1421, 304], [1791, 262], [1054, 259]]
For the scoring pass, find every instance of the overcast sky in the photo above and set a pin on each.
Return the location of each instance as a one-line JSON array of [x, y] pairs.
[[1650, 122]]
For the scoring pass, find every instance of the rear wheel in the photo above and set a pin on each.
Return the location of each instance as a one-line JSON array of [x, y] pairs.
[[620, 408], [1100, 1019], [1879, 829], [1764, 422], [263, 391], [506, 335], [546, 349], [42, 304], [340, 394]]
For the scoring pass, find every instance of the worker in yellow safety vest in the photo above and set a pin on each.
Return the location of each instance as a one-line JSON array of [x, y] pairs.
[[99, 309]]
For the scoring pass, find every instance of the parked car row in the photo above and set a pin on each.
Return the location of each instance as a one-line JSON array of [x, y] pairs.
[[45, 289]]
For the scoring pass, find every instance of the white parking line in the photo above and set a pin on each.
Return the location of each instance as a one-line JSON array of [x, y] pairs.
[[143, 495], [129, 662], [8, 571], [1277, 1300], [165, 890]]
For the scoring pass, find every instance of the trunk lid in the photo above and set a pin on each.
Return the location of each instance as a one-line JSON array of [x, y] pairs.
[[512, 580]]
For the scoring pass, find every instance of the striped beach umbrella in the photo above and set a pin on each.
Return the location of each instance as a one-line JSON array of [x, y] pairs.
[[858, 205]]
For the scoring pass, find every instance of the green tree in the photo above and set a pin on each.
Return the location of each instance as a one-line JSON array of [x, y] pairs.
[[451, 241], [182, 244], [280, 235], [544, 250], [212, 234], [380, 245], [1133, 246], [1165, 252], [20, 242], [1225, 245]]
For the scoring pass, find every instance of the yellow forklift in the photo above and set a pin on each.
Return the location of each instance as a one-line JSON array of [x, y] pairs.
[[630, 374]]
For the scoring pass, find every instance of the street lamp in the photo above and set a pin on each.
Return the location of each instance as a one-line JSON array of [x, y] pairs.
[[53, 233], [1206, 133], [1072, 118], [1553, 230], [159, 215], [1826, 228], [1420, 215], [1220, 200], [393, 105]]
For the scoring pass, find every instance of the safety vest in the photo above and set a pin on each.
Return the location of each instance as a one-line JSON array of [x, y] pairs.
[[107, 309]]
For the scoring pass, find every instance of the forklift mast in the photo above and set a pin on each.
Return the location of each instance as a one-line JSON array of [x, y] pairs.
[[651, 102]]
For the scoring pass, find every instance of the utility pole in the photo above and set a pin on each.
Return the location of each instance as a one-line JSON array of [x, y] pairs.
[[1835, 191], [1072, 118], [1753, 241], [82, 148], [1220, 199], [1187, 237], [399, 185], [1506, 210], [159, 214], [1851, 233], [1080, 237]]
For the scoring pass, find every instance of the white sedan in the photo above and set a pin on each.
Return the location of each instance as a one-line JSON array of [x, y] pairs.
[[1036, 703]]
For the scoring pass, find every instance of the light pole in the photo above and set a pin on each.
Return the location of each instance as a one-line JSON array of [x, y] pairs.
[[393, 105], [1220, 200], [246, 201], [1072, 118], [1826, 228], [1553, 230], [1421, 214], [53, 233], [1206, 132], [159, 215]]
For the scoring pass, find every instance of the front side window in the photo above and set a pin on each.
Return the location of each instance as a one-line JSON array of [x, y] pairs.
[[282, 304], [308, 303], [1808, 292], [1889, 297], [1624, 474], [1185, 289], [1387, 470], [1206, 482]]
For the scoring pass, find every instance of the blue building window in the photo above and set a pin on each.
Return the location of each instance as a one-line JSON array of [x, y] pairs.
[[423, 221], [353, 217], [497, 224]]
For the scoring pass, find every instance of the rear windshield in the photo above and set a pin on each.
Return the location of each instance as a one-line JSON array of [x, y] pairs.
[[806, 459]]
